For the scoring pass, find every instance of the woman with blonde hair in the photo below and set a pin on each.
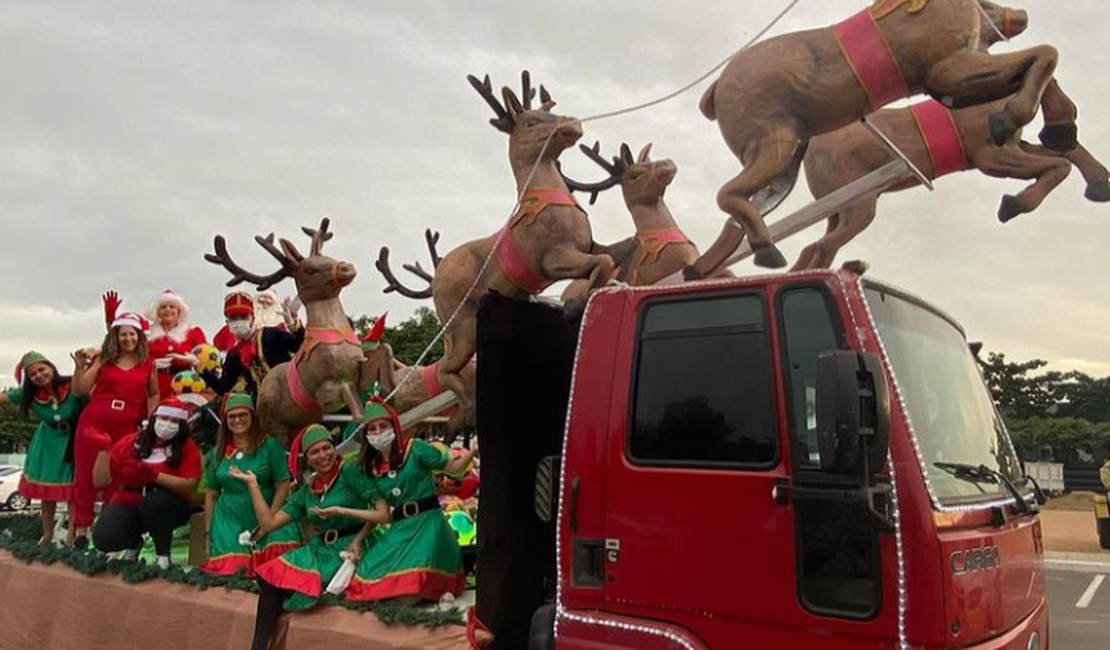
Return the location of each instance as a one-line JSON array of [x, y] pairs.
[[172, 339]]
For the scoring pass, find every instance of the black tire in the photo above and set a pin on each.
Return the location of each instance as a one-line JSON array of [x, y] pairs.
[[542, 634], [17, 501]]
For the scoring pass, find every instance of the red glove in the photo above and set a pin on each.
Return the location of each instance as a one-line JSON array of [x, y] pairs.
[[111, 306], [99, 440], [133, 472]]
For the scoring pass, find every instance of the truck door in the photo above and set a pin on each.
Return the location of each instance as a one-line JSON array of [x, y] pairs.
[[693, 535], [841, 575]]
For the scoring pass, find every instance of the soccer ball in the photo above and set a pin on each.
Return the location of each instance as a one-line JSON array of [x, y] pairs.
[[208, 357], [187, 381]]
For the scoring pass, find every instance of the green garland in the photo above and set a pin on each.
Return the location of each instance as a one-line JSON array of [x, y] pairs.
[[19, 536]]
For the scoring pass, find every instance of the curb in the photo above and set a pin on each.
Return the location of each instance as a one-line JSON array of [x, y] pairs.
[[1078, 562]]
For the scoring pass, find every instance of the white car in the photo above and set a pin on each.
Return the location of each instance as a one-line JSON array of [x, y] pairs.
[[10, 498]]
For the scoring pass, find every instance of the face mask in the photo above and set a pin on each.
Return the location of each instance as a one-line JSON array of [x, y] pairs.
[[381, 440], [240, 328], [165, 430]]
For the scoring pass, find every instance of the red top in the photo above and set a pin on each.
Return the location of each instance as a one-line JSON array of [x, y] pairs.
[[114, 384], [189, 467], [163, 346]]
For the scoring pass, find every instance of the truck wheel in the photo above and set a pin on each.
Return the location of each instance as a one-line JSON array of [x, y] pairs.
[[542, 634]]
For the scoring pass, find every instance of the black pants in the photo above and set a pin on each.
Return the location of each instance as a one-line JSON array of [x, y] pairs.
[[270, 600], [121, 527]]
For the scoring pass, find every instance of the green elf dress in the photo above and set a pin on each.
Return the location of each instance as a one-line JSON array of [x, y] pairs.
[[307, 570], [418, 553], [234, 513], [47, 474]]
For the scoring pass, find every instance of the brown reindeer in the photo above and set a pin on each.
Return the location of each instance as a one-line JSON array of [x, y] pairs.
[[548, 238], [423, 385], [322, 376], [838, 158], [659, 248], [773, 97]]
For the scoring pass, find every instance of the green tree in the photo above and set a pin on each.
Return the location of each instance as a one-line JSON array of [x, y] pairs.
[[1065, 440], [409, 337], [15, 432], [1085, 397], [1018, 391]]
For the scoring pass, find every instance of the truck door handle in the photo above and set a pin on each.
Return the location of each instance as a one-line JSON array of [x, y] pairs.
[[573, 506]]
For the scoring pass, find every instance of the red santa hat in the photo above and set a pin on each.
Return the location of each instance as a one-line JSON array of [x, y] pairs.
[[172, 297], [238, 304], [174, 407], [131, 319]]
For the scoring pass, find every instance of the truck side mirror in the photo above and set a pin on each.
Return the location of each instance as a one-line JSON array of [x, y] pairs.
[[853, 413]]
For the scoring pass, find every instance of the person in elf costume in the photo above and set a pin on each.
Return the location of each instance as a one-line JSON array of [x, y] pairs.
[[257, 349], [417, 557], [334, 500], [155, 472], [48, 470], [122, 388], [228, 513], [171, 339]]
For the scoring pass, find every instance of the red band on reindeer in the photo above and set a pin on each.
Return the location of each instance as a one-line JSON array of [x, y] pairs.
[[871, 60], [942, 139], [516, 268], [297, 390], [431, 380]]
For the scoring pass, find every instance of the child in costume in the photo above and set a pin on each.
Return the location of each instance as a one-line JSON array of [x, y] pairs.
[[171, 339], [156, 472], [122, 389], [417, 557], [48, 471], [228, 512], [334, 500]]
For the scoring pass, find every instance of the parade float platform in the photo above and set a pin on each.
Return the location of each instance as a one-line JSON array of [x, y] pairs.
[[53, 607]]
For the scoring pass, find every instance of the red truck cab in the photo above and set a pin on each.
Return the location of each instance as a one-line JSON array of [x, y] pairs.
[[788, 461]]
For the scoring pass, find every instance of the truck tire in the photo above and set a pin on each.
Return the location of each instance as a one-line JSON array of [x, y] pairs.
[[542, 634]]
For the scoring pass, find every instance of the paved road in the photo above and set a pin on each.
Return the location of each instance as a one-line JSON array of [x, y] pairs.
[[1079, 606]]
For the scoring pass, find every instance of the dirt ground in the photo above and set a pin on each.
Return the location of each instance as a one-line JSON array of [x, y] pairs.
[[1073, 501]]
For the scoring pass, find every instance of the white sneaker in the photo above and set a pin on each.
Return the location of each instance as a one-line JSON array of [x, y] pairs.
[[129, 555], [162, 562]]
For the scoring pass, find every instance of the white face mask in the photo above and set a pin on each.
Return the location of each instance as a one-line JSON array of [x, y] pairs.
[[165, 429], [240, 328], [381, 440]]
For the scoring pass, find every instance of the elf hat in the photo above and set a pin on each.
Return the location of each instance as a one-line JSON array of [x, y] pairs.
[[172, 297], [238, 304], [305, 440], [28, 359], [236, 402], [373, 337]]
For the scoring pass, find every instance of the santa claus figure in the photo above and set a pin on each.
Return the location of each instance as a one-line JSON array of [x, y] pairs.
[[171, 339]]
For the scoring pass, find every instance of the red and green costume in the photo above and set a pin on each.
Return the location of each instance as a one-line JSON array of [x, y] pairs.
[[233, 512], [417, 555], [47, 475], [307, 570]]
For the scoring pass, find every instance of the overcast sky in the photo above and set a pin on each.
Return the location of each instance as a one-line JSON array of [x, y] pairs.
[[132, 132]]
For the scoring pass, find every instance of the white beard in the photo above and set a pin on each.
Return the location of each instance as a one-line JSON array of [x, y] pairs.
[[268, 316]]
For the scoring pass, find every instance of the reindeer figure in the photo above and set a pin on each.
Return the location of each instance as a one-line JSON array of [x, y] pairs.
[[773, 97], [547, 240], [323, 374], [387, 371], [659, 248], [939, 142]]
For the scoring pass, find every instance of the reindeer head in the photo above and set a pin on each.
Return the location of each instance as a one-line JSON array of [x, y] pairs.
[[643, 181], [1011, 22], [528, 127], [318, 277]]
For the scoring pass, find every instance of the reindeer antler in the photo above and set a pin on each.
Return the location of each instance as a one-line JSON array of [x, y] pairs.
[[503, 122], [433, 238], [319, 236], [615, 169], [239, 274], [394, 284]]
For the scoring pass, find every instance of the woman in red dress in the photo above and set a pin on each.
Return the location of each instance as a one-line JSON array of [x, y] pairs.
[[122, 389], [172, 339]]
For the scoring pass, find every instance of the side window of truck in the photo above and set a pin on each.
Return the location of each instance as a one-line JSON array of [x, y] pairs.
[[837, 546], [702, 391]]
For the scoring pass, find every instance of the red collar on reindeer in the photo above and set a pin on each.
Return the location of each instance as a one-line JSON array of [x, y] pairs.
[[869, 55], [942, 138], [535, 200]]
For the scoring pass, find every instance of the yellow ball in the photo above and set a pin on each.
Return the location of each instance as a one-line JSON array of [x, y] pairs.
[[187, 381], [208, 357]]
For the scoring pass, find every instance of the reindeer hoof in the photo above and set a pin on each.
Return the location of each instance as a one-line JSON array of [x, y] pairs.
[[691, 274], [769, 257], [1099, 191], [1003, 128], [1009, 208], [1060, 137]]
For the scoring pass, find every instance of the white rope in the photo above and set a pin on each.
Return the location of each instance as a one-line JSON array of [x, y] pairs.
[[990, 22], [527, 183]]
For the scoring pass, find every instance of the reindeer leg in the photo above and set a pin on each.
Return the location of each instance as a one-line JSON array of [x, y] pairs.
[[1094, 172], [854, 219], [971, 77], [1060, 132], [563, 263], [1012, 162], [714, 257], [353, 403], [461, 342]]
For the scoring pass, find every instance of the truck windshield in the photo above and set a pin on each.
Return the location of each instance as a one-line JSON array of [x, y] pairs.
[[953, 416]]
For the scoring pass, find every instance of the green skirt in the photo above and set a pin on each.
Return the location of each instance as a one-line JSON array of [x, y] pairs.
[[232, 515], [305, 571], [46, 474], [418, 556]]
